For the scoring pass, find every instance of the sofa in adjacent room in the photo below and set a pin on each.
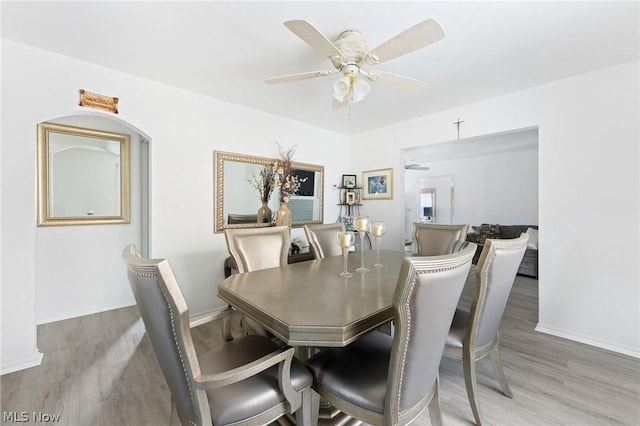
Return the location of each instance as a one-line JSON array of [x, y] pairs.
[[529, 264]]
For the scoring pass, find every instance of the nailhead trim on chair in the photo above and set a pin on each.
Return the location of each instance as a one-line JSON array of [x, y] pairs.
[[408, 306], [406, 343], [175, 337]]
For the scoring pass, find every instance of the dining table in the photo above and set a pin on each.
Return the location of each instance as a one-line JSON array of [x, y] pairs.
[[308, 304]]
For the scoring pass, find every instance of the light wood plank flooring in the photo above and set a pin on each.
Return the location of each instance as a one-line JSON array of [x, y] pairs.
[[100, 370]]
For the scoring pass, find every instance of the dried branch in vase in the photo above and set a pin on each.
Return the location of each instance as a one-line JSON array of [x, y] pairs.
[[264, 182], [288, 183]]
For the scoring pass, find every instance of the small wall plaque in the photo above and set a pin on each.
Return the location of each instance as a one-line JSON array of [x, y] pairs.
[[95, 100]]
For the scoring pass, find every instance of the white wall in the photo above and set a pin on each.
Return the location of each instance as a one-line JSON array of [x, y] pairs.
[[498, 188], [588, 144], [184, 128], [83, 261]]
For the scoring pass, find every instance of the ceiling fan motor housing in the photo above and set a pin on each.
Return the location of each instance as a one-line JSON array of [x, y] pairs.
[[354, 49]]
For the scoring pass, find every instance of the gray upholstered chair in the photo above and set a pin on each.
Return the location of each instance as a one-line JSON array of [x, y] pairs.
[[249, 380], [322, 239], [254, 249], [258, 248], [434, 239], [380, 379], [474, 334]]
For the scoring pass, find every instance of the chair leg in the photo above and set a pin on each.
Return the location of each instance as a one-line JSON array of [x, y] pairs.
[[305, 414], [434, 406], [226, 328], [469, 367], [243, 326], [497, 368]]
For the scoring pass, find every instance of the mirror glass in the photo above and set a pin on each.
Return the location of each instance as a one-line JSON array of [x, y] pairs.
[[238, 201], [83, 176], [427, 201]]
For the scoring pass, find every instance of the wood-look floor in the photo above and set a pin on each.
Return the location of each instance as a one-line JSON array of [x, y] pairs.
[[100, 370]]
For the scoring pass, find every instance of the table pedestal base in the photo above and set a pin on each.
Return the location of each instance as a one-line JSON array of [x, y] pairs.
[[332, 416], [328, 416]]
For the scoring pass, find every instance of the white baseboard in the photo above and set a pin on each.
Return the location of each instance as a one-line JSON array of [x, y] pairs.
[[207, 316], [87, 312], [610, 346], [33, 361]]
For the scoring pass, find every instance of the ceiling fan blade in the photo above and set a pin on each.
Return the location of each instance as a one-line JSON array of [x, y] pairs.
[[397, 82], [339, 104], [300, 76], [416, 37], [313, 37]]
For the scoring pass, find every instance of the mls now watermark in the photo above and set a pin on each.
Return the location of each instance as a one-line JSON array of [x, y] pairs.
[[29, 416]]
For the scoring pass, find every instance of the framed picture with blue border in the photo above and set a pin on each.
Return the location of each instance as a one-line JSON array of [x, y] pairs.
[[377, 184]]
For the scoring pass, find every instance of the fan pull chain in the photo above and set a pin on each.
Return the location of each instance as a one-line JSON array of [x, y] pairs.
[[352, 78]]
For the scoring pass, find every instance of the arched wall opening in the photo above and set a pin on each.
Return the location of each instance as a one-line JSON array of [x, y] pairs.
[[79, 270]]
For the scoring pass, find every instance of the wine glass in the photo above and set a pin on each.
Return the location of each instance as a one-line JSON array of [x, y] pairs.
[[346, 239], [363, 225], [377, 229]]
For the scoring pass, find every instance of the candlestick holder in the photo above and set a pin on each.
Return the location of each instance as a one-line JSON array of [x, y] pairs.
[[362, 225], [378, 229], [346, 239]]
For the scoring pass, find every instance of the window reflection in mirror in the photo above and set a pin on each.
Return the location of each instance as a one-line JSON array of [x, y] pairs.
[[83, 176]]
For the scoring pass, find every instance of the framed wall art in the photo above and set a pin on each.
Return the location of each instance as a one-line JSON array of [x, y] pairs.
[[377, 184], [351, 198], [349, 181]]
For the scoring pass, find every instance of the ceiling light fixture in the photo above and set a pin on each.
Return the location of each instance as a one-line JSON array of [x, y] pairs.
[[350, 89], [341, 88]]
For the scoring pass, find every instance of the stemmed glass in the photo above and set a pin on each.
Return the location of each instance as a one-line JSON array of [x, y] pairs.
[[346, 239], [377, 229], [363, 226]]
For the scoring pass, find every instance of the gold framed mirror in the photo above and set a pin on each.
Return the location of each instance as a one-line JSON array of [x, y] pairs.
[[237, 201], [83, 176]]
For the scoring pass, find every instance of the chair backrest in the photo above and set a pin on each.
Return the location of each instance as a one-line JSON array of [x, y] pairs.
[[258, 248], [424, 302], [495, 272], [434, 239], [233, 218], [322, 239], [457, 245], [166, 319]]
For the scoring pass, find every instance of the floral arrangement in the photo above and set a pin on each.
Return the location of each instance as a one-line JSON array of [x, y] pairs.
[[264, 182], [288, 184]]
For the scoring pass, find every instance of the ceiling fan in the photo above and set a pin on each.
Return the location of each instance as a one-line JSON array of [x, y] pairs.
[[350, 54]]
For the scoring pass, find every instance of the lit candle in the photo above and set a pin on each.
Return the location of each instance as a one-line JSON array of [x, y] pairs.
[[362, 223], [378, 229], [345, 240]]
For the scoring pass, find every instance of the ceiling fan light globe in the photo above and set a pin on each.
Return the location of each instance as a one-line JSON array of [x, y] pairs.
[[360, 89], [341, 88]]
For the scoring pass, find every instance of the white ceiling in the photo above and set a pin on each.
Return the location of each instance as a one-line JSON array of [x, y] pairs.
[[226, 49]]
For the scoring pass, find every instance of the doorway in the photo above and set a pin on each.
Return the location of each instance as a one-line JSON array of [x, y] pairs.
[[496, 179]]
